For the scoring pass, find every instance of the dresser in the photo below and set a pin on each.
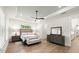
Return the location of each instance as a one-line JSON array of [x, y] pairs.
[[57, 39]]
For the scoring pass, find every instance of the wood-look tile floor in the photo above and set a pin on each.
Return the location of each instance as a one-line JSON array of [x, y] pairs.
[[43, 47]]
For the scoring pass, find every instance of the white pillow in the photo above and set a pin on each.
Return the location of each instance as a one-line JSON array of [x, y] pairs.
[[29, 33], [23, 33]]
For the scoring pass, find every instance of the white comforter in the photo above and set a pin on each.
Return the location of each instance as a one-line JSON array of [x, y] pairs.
[[30, 38]]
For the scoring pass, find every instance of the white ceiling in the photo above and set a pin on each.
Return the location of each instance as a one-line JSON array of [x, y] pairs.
[[44, 11], [72, 11], [29, 11]]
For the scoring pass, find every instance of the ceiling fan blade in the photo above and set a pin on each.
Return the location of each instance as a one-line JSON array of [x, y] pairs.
[[41, 18], [36, 18]]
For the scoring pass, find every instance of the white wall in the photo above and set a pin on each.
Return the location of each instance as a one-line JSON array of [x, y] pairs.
[[75, 21], [3, 41], [42, 29], [5, 14]]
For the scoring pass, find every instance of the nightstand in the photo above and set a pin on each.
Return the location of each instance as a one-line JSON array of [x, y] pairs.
[[16, 38]]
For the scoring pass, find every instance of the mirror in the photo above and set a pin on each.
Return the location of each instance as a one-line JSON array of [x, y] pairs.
[[56, 30]]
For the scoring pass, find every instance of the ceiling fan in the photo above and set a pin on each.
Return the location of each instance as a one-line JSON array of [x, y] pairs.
[[37, 18]]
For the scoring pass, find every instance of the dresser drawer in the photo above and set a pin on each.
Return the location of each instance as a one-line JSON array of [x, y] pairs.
[[58, 39]]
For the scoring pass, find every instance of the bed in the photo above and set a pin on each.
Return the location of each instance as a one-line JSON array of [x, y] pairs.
[[28, 37]]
